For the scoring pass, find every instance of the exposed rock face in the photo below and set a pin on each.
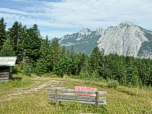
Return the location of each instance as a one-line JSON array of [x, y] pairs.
[[125, 39], [99, 31]]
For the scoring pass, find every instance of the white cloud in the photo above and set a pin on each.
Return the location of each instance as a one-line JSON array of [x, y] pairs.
[[79, 13]]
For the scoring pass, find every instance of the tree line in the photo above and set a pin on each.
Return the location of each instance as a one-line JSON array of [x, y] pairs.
[[44, 57]]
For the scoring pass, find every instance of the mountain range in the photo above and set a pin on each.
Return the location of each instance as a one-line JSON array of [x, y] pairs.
[[125, 39]]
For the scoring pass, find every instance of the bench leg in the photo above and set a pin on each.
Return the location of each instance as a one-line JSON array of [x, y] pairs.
[[58, 103]]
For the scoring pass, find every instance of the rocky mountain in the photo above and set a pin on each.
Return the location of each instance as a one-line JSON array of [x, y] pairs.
[[125, 39]]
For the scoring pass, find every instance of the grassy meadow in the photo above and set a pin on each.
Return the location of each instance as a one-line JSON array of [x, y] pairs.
[[123, 100]]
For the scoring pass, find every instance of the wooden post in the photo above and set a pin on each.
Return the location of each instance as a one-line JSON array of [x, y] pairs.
[[56, 98], [97, 99]]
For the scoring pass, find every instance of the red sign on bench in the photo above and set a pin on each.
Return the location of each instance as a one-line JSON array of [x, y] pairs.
[[85, 89]]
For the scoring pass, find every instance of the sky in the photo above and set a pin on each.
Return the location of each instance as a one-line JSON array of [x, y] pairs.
[[57, 18]]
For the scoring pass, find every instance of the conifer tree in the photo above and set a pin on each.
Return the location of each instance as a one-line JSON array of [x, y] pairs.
[[14, 34], [3, 36], [64, 65], [135, 77], [20, 44], [72, 53], [130, 69], [63, 51], [77, 63], [140, 83], [122, 74], [45, 56], [68, 53], [32, 44], [7, 48], [82, 59], [144, 75], [56, 50], [95, 59]]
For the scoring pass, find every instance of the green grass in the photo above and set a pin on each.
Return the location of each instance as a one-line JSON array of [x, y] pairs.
[[122, 100]]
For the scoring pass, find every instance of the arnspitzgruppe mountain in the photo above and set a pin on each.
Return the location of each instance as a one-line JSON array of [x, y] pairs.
[[125, 39]]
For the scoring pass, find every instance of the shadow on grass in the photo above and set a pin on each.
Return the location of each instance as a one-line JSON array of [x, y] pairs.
[[100, 85], [101, 108], [16, 71], [17, 78]]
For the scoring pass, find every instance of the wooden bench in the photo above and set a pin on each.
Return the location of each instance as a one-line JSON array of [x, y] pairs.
[[80, 99]]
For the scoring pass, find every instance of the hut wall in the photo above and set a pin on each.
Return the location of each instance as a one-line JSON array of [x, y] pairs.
[[5, 74]]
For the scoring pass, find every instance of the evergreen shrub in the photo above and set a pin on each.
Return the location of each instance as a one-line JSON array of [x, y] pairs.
[[26, 69], [104, 81], [129, 84], [113, 83], [108, 79], [21, 66]]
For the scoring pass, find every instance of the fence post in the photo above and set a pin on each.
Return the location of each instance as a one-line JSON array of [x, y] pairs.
[[56, 98], [97, 99]]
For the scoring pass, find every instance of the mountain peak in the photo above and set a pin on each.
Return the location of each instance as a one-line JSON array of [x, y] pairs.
[[127, 23], [85, 31]]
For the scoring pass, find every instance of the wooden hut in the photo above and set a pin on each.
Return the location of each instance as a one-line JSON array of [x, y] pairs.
[[5, 64]]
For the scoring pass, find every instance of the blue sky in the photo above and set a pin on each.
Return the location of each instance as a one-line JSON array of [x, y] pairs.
[[57, 18]]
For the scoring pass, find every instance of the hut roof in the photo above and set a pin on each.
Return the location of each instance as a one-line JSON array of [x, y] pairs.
[[8, 61]]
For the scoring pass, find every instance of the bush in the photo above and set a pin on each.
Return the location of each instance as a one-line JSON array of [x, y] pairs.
[[100, 78], [108, 79], [104, 81], [21, 66], [129, 84], [113, 83], [26, 69]]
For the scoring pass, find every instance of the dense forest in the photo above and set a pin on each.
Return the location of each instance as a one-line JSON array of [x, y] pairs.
[[44, 57]]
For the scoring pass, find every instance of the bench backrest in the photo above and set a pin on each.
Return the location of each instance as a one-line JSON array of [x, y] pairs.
[[77, 91], [85, 89]]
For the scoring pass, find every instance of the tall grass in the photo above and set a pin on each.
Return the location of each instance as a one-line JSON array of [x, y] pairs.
[[120, 100]]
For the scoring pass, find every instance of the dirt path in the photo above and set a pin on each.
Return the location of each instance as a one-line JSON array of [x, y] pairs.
[[53, 82]]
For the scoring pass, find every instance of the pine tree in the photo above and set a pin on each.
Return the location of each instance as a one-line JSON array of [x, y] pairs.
[[77, 63], [82, 59], [64, 64], [56, 50], [135, 77], [45, 56], [68, 53], [41, 67], [123, 76], [95, 59], [20, 44], [72, 53], [35, 29], [140, 83], [63, 51], [32, 45], [144, 77], [14, 34], [130, 70], [7, 48], [3, 36]]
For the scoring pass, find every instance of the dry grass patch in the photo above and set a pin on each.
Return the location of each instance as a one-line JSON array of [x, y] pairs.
[[122, 100]]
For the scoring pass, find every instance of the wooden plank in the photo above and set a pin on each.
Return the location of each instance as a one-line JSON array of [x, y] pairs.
[[76, 97], [4, 81], [77, 91], [4, 78], [4, 73], [79, 101]]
